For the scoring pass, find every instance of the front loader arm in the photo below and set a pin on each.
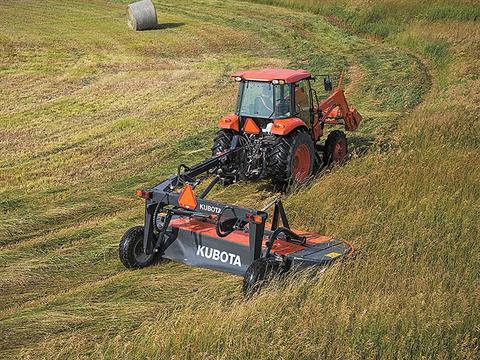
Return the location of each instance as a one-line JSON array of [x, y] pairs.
[[335, 110]]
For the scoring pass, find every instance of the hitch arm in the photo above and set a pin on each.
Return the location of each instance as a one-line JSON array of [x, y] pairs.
[[190, 173]]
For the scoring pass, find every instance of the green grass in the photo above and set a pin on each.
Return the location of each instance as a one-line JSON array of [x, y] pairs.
[[91, 111]]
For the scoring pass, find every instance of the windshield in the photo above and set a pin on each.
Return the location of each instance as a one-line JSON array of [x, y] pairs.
[[263, 99]]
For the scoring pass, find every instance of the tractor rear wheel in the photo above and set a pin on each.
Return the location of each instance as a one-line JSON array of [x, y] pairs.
[[130, 249], [258, 274], [221, 144], [292, 159], [335, 148]]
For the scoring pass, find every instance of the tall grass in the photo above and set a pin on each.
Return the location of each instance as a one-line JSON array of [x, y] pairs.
[[386, 17]]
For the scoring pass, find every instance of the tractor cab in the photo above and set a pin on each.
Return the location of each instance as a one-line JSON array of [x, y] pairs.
[[261, 99], [271, 94]]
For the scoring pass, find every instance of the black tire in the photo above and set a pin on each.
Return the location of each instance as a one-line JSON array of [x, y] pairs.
[[222, 142], [258, 274], [130, 249], [282, 160], [336, 148]]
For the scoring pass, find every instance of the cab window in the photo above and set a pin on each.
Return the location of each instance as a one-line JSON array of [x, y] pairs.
[[303, 101], [282, 101]]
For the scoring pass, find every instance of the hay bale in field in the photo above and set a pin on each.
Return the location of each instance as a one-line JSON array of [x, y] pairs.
[[142, 15]]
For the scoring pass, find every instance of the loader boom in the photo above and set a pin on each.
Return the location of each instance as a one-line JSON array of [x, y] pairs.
[[334, 110]]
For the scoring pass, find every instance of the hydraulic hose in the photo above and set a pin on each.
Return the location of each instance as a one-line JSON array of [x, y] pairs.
[[287, 232]]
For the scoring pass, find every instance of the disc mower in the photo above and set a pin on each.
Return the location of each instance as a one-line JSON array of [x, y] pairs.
[[272, 134]]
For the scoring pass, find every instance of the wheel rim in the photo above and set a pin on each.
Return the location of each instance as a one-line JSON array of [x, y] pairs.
[[339, 152], [301, 163], [140, 255]]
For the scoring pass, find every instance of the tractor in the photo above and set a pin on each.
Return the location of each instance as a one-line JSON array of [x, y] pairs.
[[279, 122], [274, 133]]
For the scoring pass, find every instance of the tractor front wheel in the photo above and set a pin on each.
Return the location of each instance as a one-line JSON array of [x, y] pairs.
[[130, 249], [293, 159], [335, 148], [258, 274]]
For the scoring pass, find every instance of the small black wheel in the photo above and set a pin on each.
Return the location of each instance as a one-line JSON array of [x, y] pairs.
[[335, 148], [292, 159], [258, 274], [130, 249]]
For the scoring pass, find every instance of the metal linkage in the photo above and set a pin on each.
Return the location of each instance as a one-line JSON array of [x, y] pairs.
[[289, 236], [279, 214]]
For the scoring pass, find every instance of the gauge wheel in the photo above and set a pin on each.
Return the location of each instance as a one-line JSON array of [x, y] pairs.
[[130, 249]]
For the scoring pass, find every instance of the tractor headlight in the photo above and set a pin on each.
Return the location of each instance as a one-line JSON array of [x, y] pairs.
[[238, 78]]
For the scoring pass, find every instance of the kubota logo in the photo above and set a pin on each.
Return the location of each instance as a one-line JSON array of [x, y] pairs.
[[217, 255], [210, 208]]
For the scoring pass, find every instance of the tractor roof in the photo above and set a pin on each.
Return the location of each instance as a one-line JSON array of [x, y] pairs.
[[287, 75]]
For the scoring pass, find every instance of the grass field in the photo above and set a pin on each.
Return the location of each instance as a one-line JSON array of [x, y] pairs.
[[91, 111]]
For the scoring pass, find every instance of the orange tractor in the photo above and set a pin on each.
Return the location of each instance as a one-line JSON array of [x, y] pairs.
[[278, 123]]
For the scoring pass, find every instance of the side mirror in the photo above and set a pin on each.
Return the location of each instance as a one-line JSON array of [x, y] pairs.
[[327, 83]]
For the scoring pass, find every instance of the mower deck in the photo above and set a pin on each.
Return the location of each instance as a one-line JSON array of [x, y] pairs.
[[200, 246]]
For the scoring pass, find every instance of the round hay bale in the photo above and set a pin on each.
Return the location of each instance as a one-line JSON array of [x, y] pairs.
[[142, 15]]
